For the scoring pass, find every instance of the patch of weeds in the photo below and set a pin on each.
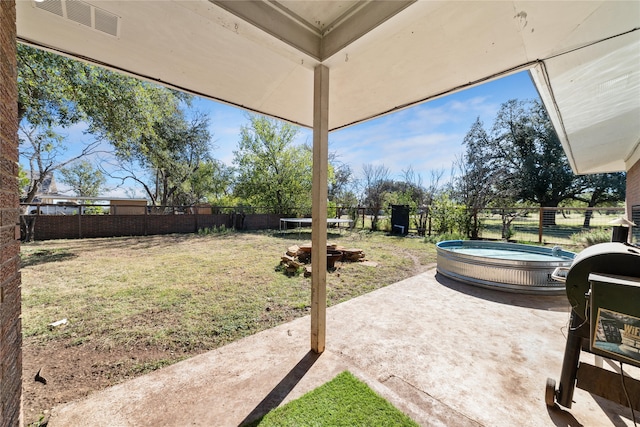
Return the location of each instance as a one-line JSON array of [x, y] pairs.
[[443, 237], [42, 422], [219, 230], [146, 367], [301, 306], [78, 341], [288, 271], [591, 237], [232, 324]]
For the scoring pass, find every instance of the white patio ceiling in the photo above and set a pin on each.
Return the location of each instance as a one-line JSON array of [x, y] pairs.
[[382, 56]]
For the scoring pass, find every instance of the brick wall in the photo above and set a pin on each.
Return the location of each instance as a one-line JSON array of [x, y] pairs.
[[10, 326], [85, 226]]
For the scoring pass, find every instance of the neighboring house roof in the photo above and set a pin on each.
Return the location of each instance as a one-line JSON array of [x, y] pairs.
[[382, 56], [48, 185]]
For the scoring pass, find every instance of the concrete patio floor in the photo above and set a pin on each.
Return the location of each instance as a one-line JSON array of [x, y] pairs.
[[445, 353]]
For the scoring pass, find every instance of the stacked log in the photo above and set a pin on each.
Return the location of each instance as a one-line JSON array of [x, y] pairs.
[[290, 264], [352, 255], [297, 256], [304, 253]]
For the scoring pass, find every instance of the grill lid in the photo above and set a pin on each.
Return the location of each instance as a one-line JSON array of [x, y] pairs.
[[615, 258]]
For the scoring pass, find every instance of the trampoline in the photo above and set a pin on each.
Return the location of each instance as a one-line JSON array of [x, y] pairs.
[[307, 222]]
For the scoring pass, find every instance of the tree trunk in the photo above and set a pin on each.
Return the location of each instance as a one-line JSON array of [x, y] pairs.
[[33, 190], [589, 213], [374, 222], [374, 218], [506, 223], [549, 216], [475, 228], [587, 218], [27, 229]]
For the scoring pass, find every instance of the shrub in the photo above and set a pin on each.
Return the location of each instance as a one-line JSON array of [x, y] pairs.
[[447, 216], [591, 237], [214, 230], [508, 233], [445, 236]]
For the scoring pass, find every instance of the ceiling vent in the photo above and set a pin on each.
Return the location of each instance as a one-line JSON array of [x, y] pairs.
[[82, 13]]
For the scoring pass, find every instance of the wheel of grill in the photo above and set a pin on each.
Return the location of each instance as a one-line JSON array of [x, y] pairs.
[[550, 392]]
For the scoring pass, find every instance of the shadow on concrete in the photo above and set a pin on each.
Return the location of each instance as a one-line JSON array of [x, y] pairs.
[[615, 411], [539, 302], [281, 390], [562, 418]]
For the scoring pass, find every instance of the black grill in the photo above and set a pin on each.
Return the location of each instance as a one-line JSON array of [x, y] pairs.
[[603, 288], [618, 259]]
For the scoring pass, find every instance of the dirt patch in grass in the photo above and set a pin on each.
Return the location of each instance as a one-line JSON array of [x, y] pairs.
[[137, 304]]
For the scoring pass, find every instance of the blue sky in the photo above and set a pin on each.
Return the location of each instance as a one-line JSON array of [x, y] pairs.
[[427, 137]]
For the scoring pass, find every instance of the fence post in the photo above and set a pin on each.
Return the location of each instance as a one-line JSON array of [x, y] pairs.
[[540, 219]]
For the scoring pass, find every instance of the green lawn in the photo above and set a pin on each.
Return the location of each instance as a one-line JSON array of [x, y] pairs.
[[188, 292], [135, 304], [344, 401]]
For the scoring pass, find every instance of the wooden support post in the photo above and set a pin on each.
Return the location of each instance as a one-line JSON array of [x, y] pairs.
[[319, 208], [540, 221]]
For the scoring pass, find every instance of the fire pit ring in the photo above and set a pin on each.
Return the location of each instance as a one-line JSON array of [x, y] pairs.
[[332, 257]]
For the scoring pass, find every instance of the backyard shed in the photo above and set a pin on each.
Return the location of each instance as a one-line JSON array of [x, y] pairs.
[[128, 206]]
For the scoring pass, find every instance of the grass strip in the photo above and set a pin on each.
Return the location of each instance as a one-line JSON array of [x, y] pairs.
[[343, 401]]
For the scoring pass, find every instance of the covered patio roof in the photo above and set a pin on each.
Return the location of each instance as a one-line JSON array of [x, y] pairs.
[[331, 64], [382, 56]]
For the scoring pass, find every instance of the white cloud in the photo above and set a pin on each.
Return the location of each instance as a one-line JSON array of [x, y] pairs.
[[427, 137], [126, 192]]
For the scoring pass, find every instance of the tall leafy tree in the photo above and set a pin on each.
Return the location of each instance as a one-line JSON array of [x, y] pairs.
[[341, 189], [272, 172], [417, 196], [482, 176], [604, 188], [212, 182], [528, 146], [83, 178], [175, 158], [377, 187], [55, 92], [23, 181], [522, 160], [46, 152]]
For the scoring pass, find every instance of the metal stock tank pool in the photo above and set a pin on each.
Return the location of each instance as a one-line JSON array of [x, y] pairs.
[[505, 266]]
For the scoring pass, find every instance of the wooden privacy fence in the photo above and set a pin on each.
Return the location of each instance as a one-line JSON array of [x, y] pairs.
[[139, 223], [536, 225]]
